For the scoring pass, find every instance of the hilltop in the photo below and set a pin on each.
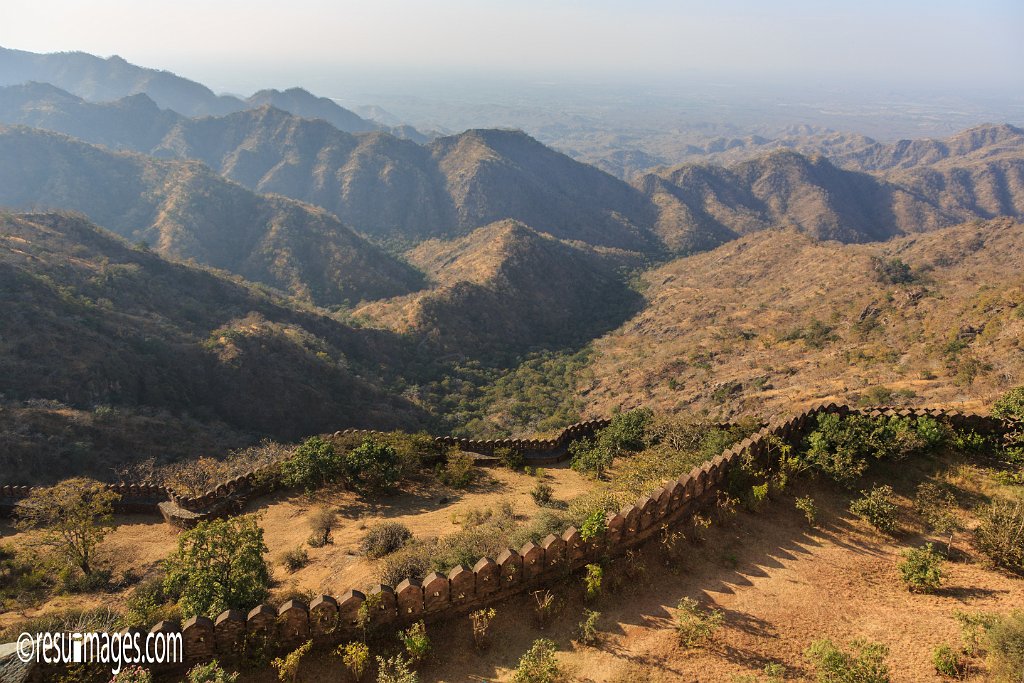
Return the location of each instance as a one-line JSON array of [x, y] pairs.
[[185, 211], [94, 321], [777, 319], [703, 205], [382, 185], [101, 80], [400, 192], [507, 288]]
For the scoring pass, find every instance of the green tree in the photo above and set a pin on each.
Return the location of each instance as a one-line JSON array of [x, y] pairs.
[[72, 516], [373, 465], [219, 565], [590, 456], [314, 464], [877, 507]]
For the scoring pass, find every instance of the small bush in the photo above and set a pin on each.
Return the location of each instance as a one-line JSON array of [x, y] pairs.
[[481, 620], [973, 629], [865, 664], [949, 662], [932, 432], [1000, 533], [133, 674], [806, 505], [149, 603], [592, 580], [593, 526], [457, 470], [842, 447], [288, 667], [395, 670], [364, 615], [539, 664], [544, 607], [627, 430], [893, 271], [211, 672], [936, 506], [511, 458], [921, 569], [416, 643], [1010, 406], [294, 560], [355, 656], [321, 521], [586, 631], [756, 497], [700, 524], [1005, 640], [695, 625], [385, 538], [971, 442], [774, 672], [542, 493], [878, 508]]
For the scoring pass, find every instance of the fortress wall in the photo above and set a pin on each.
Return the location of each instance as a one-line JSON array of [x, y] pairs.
[[330, 620]]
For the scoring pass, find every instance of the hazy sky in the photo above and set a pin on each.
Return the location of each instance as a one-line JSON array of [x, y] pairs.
[[235, 42]]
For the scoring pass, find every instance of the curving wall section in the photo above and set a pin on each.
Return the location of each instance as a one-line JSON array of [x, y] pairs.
[[331, 620]]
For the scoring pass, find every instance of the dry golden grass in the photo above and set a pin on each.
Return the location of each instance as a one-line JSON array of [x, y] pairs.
[[780, 585], [721, 331]]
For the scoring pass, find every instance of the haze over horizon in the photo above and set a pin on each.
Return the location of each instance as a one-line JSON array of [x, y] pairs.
[[238, 46]]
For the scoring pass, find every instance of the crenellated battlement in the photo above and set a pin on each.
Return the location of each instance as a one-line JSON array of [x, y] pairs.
[[330, 620]]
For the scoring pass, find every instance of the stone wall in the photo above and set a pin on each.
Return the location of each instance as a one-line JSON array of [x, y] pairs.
[[135, 498], [330, 620]]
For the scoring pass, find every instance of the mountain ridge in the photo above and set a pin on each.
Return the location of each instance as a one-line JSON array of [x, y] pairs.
[[186, 211], [96, 79]]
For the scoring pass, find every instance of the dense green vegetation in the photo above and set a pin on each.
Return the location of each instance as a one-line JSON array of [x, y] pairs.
[[535, 395], [219, 565]]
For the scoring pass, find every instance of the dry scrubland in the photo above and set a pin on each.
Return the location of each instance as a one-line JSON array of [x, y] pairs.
[[779, 582], [139, 543], [777, 320]]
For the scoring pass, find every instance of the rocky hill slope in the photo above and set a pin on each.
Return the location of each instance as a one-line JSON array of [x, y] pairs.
[[506, 288], [185, 211], [93, 321], [776, 319]]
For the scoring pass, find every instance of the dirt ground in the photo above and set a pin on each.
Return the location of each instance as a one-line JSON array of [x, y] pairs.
[[140, 542], [780, 584]]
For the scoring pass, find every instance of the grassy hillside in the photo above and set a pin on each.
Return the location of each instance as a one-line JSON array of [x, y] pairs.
[[777, 319], [94, 322], [186, 211], [506, 288]]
